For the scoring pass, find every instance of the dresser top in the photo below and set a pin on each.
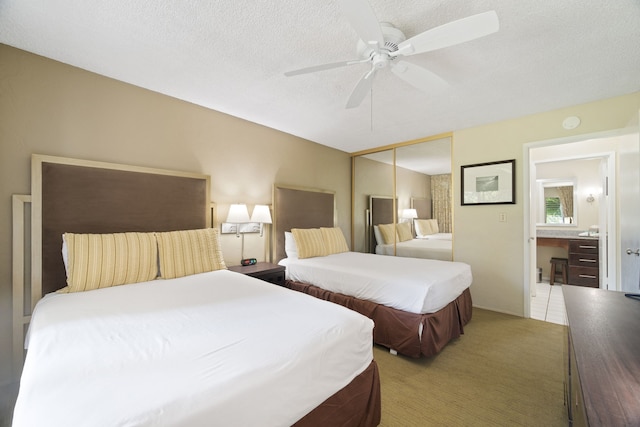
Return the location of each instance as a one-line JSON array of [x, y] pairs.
[[605, 332]]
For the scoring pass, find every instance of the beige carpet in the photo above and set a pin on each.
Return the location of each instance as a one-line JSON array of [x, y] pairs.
[[504, 371]]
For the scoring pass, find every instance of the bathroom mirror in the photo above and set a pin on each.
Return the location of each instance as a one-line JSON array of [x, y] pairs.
[[557, 203]]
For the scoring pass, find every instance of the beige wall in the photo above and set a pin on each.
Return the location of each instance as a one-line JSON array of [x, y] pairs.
[[50, 108], [494, 249]]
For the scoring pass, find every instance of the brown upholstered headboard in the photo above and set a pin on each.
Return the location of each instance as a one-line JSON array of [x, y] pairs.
[[422, 207], [381, 209], [300, 208], [92, 197]]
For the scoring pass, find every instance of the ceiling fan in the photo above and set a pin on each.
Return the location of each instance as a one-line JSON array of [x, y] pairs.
[[382, 45]]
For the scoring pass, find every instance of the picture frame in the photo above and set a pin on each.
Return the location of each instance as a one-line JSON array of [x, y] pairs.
[[492, 183]]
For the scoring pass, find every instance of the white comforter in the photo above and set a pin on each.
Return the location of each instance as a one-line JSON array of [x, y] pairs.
[[408, 284], [419, 248], [217, 348]]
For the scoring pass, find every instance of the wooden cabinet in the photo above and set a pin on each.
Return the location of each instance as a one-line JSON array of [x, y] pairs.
[[602, 371], [584, 264], [266, 271]]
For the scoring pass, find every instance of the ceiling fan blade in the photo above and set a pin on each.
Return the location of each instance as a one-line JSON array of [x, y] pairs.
[[419, 77], [364, 21], [323, 67], [361, 90], [456, 32]]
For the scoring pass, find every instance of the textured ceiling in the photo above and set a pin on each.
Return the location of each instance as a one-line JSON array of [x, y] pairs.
[[230, 56]]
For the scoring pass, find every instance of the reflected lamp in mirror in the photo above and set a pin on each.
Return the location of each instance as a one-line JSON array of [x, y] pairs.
[[262, 215], [238, 214], [409, 214]]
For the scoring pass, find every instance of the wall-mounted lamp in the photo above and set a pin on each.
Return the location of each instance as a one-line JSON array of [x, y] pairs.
[[262, 215], [590, 198], [238, 214]]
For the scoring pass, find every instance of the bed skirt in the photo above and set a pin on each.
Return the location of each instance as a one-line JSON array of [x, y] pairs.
[[400, 330], [356, 405]]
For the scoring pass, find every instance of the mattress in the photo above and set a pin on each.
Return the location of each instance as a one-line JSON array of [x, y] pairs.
[[214, 348], [419, 248], [408, 284]]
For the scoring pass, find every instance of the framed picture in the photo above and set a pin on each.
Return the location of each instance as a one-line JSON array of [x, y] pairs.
[[491, 183]]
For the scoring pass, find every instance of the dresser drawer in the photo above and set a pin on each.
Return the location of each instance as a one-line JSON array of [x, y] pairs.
[[584, 276], [583, 246], [584, 260]]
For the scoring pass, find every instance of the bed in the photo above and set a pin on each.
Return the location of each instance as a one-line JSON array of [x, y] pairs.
[[411, 332], [423, 240], [196, 344]]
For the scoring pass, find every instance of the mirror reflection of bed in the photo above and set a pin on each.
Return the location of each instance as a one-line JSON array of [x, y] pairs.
[[418, 237], [414, 176]]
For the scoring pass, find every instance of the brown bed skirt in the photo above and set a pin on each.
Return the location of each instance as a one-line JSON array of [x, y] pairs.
[[399, 330], [356, 405]]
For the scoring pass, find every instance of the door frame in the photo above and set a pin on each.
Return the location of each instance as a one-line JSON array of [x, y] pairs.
[[529, 261]]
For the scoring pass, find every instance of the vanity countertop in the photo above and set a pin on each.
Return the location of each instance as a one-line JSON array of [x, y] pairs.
[[563, 234]]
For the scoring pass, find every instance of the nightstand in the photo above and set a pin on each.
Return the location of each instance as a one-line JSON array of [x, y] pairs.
[[272, 273]]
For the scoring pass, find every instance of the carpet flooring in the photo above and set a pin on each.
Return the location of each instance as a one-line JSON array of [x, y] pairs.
[[504, 371]]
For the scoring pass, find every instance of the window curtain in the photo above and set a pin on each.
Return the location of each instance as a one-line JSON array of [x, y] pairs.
[[566, 201], [441, 201]]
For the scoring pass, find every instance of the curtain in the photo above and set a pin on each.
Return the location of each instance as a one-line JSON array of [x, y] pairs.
[[566, 201], [441, 201]]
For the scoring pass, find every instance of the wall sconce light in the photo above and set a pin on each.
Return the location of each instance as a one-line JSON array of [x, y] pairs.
[[261, 214], [590, 198], [238, 214]]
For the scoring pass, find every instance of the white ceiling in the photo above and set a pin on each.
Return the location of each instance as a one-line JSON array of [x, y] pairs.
[[230, 56]]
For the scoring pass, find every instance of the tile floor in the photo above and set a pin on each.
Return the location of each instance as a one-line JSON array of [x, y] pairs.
[[548, 303]]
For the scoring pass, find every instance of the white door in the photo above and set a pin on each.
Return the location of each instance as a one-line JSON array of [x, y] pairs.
[[629, 196]]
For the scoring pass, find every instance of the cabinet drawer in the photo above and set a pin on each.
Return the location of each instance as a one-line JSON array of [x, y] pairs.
[[584, 276], [583, 246], [584, 260]]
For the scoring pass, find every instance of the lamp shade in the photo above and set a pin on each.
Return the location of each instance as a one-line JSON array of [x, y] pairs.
[[238, 214], [409, 213], [261, 214]]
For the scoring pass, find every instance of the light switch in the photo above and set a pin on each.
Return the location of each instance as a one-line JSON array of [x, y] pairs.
[[502, 217]]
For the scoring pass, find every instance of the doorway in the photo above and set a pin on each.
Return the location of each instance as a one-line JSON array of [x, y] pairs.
[[612, 195]]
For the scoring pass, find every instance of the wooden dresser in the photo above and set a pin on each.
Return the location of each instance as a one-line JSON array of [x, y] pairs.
[[602, 360], [584, 265]]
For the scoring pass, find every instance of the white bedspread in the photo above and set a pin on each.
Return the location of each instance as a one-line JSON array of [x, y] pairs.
[[437, 236], [408, 284], [217, 348], [419, 248]]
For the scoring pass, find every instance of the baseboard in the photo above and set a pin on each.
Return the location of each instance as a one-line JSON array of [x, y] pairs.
[[498, 311]]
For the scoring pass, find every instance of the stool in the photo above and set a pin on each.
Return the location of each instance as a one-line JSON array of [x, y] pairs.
[[563, 263]]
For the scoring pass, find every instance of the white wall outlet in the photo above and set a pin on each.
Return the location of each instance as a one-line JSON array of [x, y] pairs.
[[502, 217]]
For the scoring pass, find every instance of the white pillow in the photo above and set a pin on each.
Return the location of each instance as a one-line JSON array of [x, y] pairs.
[[65, 256], [376, 232], [290, 247]]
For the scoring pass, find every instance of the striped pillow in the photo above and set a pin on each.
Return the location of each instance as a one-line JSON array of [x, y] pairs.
[[187, 252], [388, 233], [98, 261], [404, 231], [334, 240], [310, 242], [425, 227]]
